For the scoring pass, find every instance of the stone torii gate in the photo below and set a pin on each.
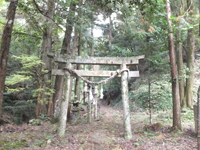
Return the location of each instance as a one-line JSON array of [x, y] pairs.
[[122, 61]]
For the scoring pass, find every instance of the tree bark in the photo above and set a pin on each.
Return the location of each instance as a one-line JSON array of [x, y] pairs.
[[39, 103], [76, 88], [180, 67], [46, 46], [110, 31], [179, 55], [149, 80], [190, 71], [199, 20], [5, 46], [198, 118], [92, 47], [190, 58], [174, 73], [109, 100], [77, 83], [65, 50], [78, 41]]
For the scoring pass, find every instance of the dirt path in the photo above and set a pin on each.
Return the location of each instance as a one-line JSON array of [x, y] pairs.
[[105, 133]]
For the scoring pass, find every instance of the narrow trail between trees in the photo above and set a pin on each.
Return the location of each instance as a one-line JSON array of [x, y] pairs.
[[104, 133]]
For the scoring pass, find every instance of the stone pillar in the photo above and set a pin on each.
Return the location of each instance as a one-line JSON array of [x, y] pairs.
[[95, 101], [101, 92], [75, 115], [85, 90], [90, 97], [64, 104], [126, 110]]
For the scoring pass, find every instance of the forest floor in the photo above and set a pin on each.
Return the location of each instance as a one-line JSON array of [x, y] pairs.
[[104, 133]]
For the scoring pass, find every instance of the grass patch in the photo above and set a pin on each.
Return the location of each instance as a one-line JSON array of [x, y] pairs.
[[11, 144]]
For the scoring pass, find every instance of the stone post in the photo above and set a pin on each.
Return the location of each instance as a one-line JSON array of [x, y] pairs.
[[90, 97], [75, 111], [126, 110], [64, 104], [95, 101], [101, 92], [85, 90]]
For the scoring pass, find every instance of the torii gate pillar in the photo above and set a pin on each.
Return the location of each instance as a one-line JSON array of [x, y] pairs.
[[126, 110], [65, 102]]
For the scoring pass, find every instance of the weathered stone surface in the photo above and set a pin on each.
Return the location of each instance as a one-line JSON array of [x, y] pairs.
[[96, 60], [88, 73]]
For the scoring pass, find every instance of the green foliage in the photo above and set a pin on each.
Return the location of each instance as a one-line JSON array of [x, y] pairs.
[[26, 80], [11, 144], [161, 97], [148, 133], [187, 115], [31, 74], [21, 110], [43, 116], [122, 52], [30, 67]]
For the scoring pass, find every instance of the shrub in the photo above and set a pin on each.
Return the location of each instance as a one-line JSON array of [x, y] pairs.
[[161, 96], [21, 110]]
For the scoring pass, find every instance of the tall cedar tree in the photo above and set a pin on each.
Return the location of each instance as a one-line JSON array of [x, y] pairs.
[[46, 46], [5, 46], [174, 73], [179, 55], [190, 57]]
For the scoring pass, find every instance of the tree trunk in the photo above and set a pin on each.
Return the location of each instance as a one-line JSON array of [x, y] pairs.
[[198, 105], [5, 46], [190, 71], [180, 67], [198, 118], [65, 50], [179, 55], [53, 108], [46, 46], [110, 31], [199, 14], [92, 48], [76, 91], [174, 74], [109, 100], [40, 105], [149, 80], [190, 58], [78, 42]]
